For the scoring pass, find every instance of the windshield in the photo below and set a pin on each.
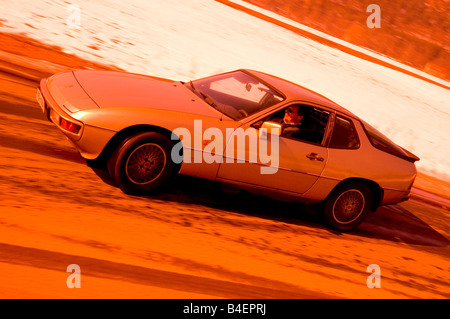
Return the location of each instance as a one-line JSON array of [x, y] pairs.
[[235, 94]]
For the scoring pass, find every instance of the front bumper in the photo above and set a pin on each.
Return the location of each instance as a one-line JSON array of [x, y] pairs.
[[55, 113], [89, 141]]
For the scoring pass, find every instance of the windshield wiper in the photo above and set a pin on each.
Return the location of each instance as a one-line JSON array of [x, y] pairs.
[[209, 100], [205, 97], [192, 85]]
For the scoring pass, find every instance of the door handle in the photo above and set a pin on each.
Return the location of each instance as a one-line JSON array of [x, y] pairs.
[[314, 157]]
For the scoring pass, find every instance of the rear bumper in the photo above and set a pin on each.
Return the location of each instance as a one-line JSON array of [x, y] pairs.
[[394, 196]]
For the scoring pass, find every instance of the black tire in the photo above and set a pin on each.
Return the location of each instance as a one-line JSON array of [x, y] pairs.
[[142, 163], [347, 206]]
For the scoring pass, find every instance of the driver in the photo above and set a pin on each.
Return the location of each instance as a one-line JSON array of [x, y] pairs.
[[291, 123]]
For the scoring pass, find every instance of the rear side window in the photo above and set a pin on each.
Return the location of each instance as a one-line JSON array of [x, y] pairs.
[[344, 134]]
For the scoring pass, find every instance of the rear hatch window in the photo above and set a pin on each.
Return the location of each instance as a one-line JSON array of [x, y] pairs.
[[383, 143]]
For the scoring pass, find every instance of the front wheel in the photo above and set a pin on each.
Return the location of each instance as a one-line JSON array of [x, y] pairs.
[[347, 206], [142, 163]]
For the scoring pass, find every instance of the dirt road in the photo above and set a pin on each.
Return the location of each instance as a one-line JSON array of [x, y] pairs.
[[196, 239]]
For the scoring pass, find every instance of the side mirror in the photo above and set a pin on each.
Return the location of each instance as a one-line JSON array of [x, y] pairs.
[[270, 128]]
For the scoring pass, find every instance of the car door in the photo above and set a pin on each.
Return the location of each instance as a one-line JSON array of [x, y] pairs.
[[294, 166]]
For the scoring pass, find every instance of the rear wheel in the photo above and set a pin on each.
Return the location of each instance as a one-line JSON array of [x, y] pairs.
[[347, 206], [142, 163]]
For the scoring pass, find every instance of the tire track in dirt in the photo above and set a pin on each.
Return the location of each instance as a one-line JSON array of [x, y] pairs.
[[147, 276]]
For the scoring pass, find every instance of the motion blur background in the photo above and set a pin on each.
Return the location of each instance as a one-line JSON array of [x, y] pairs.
[[413, 31]]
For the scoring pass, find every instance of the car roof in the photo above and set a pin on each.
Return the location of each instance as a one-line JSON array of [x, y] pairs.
[[293, 91]]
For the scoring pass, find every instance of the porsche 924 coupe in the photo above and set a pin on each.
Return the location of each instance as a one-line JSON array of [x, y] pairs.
[[147, 129]]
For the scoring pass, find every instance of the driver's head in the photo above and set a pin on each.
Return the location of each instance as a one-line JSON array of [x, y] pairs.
[[292, 115]]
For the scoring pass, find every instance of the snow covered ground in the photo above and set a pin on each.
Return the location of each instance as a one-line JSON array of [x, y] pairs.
[[190, 39]]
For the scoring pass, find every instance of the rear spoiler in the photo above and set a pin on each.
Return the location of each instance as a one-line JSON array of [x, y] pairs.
[[411, 157]]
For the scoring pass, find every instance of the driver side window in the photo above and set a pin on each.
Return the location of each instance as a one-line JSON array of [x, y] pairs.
[[299, 121]]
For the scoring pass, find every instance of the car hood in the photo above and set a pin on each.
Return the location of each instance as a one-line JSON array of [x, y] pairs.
[[119, 89]]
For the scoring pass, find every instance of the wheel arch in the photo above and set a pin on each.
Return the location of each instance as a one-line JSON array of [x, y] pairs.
[[129, 131], [375, 189]]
